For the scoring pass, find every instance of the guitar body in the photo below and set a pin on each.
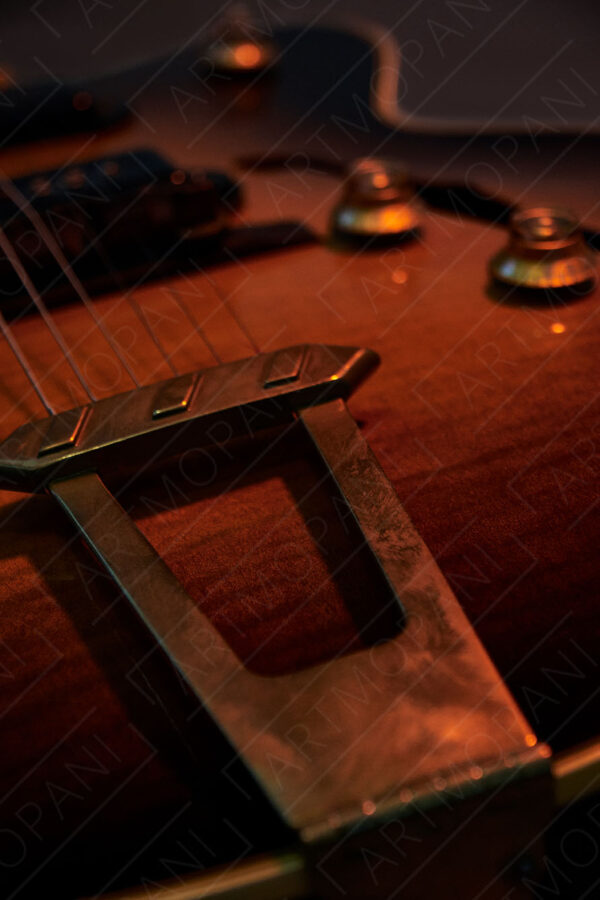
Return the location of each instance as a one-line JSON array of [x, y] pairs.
[[484, 414]]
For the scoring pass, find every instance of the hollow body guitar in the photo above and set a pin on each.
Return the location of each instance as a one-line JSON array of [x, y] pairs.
[[483, 415]]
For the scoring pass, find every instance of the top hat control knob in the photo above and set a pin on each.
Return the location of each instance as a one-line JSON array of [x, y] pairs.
[[545, 251], [238, 47], [377, 202]]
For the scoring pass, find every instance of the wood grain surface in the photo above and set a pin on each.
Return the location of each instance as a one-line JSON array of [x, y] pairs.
[[485, 415]]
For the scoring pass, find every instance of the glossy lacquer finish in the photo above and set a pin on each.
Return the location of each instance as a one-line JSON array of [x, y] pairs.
[[484, 417]]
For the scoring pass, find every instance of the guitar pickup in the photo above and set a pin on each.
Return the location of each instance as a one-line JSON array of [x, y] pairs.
[[111, 217], [49, 109], [123, 219]]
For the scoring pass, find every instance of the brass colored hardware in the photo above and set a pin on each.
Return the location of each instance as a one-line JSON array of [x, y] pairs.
[[545, 251], [577, 772], [159, 419], [427, 701], [377, 203], [238, 47]]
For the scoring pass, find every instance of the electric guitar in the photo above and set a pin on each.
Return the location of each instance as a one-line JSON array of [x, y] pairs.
[[299, 519]]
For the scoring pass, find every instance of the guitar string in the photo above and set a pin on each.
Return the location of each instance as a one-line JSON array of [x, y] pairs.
[[115, 274], [43, 232], [230, 309], [41, 229], [127, 294], [191, 317], [36, 220], [14, 260], [226, 304], [67, 269], [22, 360], [54, 248]]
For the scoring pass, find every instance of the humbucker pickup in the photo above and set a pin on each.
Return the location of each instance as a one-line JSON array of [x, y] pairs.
[[119, 221], [131, 209]]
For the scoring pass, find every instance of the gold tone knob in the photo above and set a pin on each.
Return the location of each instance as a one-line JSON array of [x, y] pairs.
[[545, 251], [377, 203], [237, 48]]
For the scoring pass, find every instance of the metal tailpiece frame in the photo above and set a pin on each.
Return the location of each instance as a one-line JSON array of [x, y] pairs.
[[427, 704]]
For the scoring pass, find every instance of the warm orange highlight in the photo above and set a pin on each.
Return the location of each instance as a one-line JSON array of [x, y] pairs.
[[247, 55]]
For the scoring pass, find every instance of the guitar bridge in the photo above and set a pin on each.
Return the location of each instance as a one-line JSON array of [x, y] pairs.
[[161, 419]]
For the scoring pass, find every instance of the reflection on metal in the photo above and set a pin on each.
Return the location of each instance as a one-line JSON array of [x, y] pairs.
[[426, 704], [162, 419], [577, 772], [175, 397], [284, 367], [377, 204], [277, 877], [431, 707], [63, 431], [239, 47], [545, 252]]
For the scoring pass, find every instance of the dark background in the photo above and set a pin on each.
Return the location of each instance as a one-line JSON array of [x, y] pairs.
[[464, 58]]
